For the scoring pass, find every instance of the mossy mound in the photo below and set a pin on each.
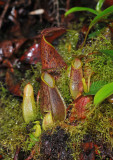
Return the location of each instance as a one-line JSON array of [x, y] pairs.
[[98, 124]]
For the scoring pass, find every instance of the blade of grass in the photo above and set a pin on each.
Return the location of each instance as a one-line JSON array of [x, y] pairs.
[[95, 87], [104, 13], [99, 5], [77, 9]]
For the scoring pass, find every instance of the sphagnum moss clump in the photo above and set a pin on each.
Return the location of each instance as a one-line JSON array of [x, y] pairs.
[[63, 85], [67, 46], [12, 126], [102, 65]]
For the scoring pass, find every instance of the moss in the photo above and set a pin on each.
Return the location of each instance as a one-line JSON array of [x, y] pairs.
[[67, 46], [63, 85], [97, 126], [12, 126], [98, 123], [13, 130], [102, 67], [32, 76]]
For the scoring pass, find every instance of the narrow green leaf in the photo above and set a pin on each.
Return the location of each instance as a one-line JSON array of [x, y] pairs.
[[108, 53], [95, 86], [99, 29], [77, 9], [104, 13], [99, 16], [99, 5], [103, 93], [94, 34]]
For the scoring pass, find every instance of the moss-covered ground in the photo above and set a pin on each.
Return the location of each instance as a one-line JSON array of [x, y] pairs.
[[98, 124]]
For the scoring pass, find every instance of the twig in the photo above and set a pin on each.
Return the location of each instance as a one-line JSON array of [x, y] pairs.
[[56, 10], [4, 12], [67, 4], [16, 153], [58, 15], [31, 155]]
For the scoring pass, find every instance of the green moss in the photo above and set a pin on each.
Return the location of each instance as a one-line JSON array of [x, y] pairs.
[[63, 85], [13, 130], [98, 124], [12, 126], [102, 67], [32, 76], [67, 46]]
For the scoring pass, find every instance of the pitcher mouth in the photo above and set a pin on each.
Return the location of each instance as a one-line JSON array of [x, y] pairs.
[[48, 79]]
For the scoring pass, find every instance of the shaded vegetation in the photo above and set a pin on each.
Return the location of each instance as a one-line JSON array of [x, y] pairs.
[[99, 121]]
